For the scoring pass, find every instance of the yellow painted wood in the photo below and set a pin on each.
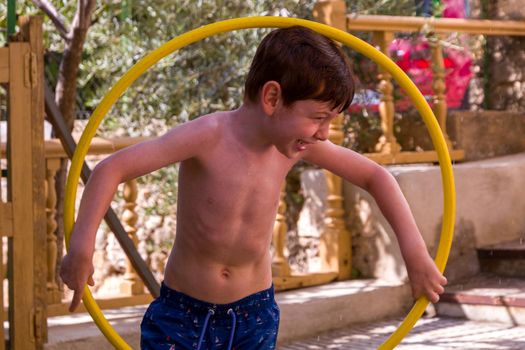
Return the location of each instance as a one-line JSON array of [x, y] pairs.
[[438, 25], [281, 283], [439, 86], [3, 314], [335, 246], [4, 64], [31, 30], [413, 157], [331, 12], [387, 142], [61, 309], [20, 170], [301, 281], [6, 219], [99, 146], [280, 266], [132, 284], [53, 293]]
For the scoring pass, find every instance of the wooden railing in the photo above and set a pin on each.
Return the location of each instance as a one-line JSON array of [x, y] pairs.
[[334, 13], [384, 28], [132, 290]]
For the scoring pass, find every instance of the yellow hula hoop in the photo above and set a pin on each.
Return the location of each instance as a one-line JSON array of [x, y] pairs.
[[269, 22]]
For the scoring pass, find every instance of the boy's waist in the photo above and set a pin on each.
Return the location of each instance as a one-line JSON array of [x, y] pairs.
[[207, 279], [255, 301]]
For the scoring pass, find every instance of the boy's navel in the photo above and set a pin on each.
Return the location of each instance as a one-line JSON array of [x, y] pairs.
[[225, 273]]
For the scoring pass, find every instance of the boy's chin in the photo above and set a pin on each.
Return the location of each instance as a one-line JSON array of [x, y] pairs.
[[289, 152]]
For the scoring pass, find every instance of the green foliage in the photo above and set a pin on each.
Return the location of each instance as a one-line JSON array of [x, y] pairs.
[[196, 80]]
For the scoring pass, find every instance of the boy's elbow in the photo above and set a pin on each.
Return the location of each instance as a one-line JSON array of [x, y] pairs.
[[107, 171], [379, 178]]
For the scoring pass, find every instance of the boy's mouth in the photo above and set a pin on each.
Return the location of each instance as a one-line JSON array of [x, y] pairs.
[[301, 144]]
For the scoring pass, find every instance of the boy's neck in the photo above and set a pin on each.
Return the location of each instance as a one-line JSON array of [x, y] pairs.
[[250, 125]]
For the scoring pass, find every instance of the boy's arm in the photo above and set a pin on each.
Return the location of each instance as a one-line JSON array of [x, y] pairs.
[[183, 142], [424, 276]]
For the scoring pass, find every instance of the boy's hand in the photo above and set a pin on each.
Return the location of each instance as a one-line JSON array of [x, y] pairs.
[[425, 278], [75, 272]]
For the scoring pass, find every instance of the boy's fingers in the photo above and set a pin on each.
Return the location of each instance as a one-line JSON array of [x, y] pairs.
[[433, 297], [417, 291], [90, 281], [77, 296], [444, 281], [440, 289]]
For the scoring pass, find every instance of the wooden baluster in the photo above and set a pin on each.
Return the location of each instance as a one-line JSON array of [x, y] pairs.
[[280, 266], [439, 99], [387, 142], [335, 246], [331, 12], [132, 285], [53, 292]]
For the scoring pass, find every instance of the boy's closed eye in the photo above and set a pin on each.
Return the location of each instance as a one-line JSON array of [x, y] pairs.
[[321, 117]]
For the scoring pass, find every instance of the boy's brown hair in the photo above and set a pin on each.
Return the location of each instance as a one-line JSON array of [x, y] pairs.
[[306, 64]]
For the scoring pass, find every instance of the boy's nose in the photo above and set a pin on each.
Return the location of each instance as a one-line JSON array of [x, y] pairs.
[[322, 132]]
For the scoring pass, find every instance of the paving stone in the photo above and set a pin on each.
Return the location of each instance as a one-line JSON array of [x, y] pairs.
[[428, 334]]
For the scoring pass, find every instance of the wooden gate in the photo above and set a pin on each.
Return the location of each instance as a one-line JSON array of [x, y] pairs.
[[22, 215]]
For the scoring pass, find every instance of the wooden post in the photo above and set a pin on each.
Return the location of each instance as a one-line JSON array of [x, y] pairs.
[[132, 285], [280, 266], [335, 245], [331, 12], [53, 293], [31, 31], [21, 267], [439, 99], [387, 142], [336, 242]]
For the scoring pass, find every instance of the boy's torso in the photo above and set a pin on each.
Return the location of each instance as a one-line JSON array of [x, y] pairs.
[[227, 201]]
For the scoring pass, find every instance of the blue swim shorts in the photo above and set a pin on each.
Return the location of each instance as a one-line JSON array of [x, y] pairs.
[[177, 321]]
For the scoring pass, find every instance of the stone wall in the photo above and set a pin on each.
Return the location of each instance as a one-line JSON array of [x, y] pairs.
[[506, 60], [499, 82], [490, 208], [486, 134]]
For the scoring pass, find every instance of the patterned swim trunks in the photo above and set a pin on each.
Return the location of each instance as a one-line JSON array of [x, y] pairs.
[[177, 321]]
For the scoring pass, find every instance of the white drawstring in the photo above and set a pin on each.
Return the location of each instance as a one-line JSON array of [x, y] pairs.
[[211, 312], [204, 327], [234, 322]]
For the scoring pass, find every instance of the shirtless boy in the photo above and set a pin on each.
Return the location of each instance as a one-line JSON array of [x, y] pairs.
[[217, 290]]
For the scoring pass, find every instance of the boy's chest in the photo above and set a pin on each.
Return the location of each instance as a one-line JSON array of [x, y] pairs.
[[240, 176], [239, 179]]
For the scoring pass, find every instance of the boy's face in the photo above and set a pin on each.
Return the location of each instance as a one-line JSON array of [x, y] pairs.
[[296, 127]]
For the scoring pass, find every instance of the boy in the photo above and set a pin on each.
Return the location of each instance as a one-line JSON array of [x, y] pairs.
[[217, 290]]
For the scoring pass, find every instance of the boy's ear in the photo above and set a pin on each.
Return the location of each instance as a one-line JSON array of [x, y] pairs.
[[270, 96]]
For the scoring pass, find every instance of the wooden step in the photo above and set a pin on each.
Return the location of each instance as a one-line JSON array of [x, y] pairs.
[[485, 297], [506, 259]]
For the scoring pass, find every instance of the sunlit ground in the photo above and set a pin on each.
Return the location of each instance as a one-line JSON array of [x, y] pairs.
[[428, 334]]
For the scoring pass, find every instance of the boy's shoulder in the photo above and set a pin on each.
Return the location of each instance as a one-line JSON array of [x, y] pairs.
[[205, 130], [207, 125]]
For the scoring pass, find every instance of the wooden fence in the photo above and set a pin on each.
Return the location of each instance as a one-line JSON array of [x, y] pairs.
[[22, 216]]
